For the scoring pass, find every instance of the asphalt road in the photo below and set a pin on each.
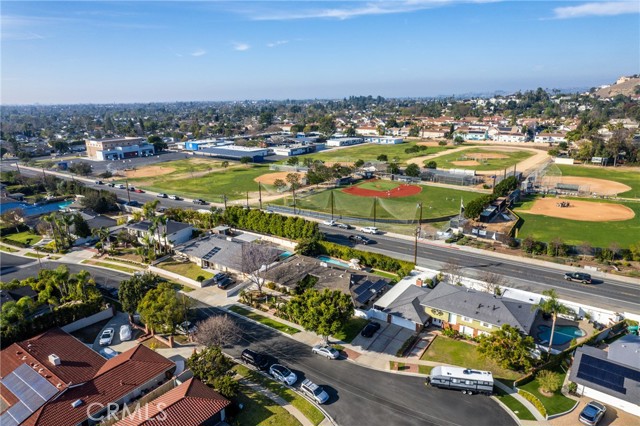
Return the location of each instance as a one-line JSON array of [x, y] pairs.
[[362, 396], [612, 294]]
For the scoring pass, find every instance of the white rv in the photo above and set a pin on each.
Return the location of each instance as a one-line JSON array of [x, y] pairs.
[[464, 379]]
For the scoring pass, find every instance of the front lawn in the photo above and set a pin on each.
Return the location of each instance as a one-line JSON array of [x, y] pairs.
[[26, 237], [263, 320], [514, 405], [314, 415], [556, 404], [186, 269], [351, 329], [463, 354], [110, 266], [258, 410]]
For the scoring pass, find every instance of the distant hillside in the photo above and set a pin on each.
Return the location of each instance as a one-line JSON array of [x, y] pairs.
[[624, 86]]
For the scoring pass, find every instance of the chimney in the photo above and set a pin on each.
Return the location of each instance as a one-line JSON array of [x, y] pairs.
[[419, 282], [54, 359]]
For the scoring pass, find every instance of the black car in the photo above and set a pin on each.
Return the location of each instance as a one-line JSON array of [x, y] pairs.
[[578, 276], [344, 226], [219, 277], [359, 239], [257, 359], [99, 182], [225, 282], [111, 184], [199, 201], [370, 329]]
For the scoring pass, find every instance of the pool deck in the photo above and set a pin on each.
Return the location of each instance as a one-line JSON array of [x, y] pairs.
[[583, 325]]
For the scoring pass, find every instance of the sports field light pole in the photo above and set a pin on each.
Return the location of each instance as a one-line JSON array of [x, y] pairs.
[[247, 199], [375, 201], [128, 192], [224, 200], [417, 232], [260, 195], [331, 205]]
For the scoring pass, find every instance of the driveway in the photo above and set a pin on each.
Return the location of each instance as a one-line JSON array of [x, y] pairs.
[[116, 344], [388, 340]]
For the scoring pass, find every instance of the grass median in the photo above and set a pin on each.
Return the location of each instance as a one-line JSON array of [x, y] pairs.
[[264, 320], [312, 413]]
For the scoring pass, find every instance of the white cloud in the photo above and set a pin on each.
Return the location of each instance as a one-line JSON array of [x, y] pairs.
[[354, 9], [277, 43], [199, 52], [597, 9], [241, 47]]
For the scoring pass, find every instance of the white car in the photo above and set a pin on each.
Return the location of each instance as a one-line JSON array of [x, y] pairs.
[[186, 328], [314, 391], [108, 353], [121, 186], [174, 197], [283, 374], [106, 337], [330, 223], [326, 351], [370, 230], [125, 332]]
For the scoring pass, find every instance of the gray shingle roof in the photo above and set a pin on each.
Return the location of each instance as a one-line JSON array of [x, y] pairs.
[[481, 306], [172, 226], [407, 305]]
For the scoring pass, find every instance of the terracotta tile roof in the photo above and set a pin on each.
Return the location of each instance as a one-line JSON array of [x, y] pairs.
[[189, 404], [118, 378], [8, 397], [78, 363]]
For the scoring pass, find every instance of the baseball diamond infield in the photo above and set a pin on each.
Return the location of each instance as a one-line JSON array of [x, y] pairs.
[[586, 211], [270, 178]]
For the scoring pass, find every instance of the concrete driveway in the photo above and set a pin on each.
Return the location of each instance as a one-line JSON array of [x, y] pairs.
[[388, 340], [116, 344]]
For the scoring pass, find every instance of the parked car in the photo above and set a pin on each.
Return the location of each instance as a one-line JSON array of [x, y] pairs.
[[99, 182], [592, 413], [199, 201], [326, 351], [257, 359], [370, 230], [370, 329], [108, 353], [220, 276], [330, 223], [225, 282], [359, 239], [174, 197], [125, 332], [139, 191], [344, 226], [131, 188], [111, 184], [578, 276], [314, 391], [186, 327], [162, 195], [121, 186], [107, 336], [283, 374]]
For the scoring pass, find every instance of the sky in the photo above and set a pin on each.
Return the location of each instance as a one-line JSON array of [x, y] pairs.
[[55, 52]]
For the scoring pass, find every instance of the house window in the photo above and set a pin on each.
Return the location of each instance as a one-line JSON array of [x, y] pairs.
[[466, 319], [486, 325]]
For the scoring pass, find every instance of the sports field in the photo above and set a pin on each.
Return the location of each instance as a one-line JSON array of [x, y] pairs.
[[197, 179], [482, 159], [628, 177], [370, 151], [575, 232], [436, 202]]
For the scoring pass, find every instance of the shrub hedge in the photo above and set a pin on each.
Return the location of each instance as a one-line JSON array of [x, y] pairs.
[[373, 260], [534, 400]]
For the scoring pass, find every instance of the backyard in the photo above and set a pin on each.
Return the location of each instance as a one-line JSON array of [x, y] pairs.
[[463, 354], [370, 152]]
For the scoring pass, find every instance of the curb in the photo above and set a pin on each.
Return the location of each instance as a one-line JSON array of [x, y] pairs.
[[507, 409]]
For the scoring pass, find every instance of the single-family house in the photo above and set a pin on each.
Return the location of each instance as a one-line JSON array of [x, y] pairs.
[[171, 234], [550, 138], [474, 312], [70, 384], [191, 403], [613, 376], [434, 132], [471, 134], [510, 137], [384, 140]]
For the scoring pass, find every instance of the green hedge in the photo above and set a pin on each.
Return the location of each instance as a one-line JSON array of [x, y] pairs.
[[293, 228], [9, 230], [534, 400], [14, 243], [373, 260]]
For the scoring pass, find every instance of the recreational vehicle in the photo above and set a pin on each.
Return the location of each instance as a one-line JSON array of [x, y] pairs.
[[464, 379]]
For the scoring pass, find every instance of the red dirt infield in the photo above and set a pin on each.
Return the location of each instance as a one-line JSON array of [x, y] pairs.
[[397, 192]]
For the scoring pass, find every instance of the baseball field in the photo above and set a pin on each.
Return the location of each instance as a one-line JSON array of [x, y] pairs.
[[370, 151], [482, 159]]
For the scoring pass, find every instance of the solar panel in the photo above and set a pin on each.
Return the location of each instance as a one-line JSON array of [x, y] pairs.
[[30, 388], [211, 253], [368, 290], [605, 373]]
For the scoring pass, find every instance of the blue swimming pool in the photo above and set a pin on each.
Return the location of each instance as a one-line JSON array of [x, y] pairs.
[[334, 261], [285, 254], [561, 335], [34, 210]]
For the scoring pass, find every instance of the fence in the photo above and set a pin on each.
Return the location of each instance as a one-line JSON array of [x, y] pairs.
[[87, 321], [287, 168]]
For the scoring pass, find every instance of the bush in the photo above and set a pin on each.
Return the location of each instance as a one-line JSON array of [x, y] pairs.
[[373, 260], [506, 186], [549, 381], [534, 400], [442, 143]]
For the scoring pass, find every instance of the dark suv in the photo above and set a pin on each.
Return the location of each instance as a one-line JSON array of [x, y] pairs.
[[578, 276], [359, 239], [225, 282], [256, 359]]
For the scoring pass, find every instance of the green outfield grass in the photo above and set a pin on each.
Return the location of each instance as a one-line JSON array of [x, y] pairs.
[[627, 177], [513, 157], [370, 151], [234, 182], [574, 232], [436, 202]]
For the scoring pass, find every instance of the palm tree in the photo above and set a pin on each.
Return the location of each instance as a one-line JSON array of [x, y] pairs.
[[103, 235], [66, 221], [50, 218], [552, 306]]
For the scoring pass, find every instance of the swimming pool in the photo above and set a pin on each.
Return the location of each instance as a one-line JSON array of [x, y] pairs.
[[334, 261], [285, 254], [34, 210], [561, 335]]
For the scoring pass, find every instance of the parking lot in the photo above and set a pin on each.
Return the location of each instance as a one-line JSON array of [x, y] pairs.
[[388, 340]]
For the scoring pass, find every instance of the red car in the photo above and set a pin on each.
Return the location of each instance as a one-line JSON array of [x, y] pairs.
[[139, 191]]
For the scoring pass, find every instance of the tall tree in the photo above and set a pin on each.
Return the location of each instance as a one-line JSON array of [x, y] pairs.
[[552, 306], [218, 330], [162, 308], [133, 290], [211, 366], [324, 313], [256, 261], [509, 347]]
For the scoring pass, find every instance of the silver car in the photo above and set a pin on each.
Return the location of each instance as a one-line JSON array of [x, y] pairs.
[[125, 332], [314, 391], [326, 351], [107, 336], [283, 374]]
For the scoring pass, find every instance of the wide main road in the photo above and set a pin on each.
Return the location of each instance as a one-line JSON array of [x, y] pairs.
[[610, 293], [606, 293], [362, 396]]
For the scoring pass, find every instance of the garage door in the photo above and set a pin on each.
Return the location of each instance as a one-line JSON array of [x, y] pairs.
[[403, 322]]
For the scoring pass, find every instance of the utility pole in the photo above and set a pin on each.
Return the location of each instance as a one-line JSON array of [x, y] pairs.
[[260, 195], [128, 192], [247, 199], [415, 247], [331, 205], [224, 200], [375, 201]]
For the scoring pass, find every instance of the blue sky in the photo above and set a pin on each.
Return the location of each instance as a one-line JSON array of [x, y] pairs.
[[104, 52]]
